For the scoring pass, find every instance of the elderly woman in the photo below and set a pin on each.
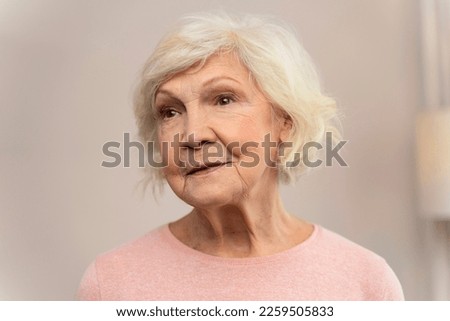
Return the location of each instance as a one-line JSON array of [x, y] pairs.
[[231, 103]]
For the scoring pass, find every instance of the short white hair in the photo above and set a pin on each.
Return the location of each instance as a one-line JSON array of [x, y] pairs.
[[275, 59]]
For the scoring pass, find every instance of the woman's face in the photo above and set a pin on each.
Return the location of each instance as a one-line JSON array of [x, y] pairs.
[[214, 122]]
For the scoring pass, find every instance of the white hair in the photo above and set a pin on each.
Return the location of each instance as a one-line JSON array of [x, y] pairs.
[[275, 59]]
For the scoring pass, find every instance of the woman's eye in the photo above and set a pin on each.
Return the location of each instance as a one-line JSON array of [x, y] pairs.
[[168, 113], [224, 100]]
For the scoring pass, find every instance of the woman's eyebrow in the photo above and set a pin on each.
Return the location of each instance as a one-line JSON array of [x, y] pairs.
[[164, 92], [167, 94]]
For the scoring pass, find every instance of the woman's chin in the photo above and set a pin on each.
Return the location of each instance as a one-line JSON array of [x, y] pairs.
[[210, 197]]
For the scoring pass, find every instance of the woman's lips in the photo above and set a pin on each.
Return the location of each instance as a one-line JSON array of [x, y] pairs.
[[204, 169]]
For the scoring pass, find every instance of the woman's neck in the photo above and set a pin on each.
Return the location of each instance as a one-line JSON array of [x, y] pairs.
[[252, 227]]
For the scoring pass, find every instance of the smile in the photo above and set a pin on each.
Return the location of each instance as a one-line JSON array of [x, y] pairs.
[[205, 169]]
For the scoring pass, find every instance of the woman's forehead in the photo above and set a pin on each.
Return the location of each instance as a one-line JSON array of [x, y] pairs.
[[216, 67]]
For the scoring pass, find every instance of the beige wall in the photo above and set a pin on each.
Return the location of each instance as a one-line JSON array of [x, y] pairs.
[[67, 70]]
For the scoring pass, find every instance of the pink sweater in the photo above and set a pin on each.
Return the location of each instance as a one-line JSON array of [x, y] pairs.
[[158, 266]]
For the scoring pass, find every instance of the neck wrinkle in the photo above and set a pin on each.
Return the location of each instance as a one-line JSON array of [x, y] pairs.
[[249, 227]]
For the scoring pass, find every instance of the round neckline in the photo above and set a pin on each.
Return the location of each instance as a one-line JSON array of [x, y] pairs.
[[180, 246]]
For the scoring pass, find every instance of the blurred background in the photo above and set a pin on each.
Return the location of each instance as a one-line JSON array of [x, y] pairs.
[[67, 73]]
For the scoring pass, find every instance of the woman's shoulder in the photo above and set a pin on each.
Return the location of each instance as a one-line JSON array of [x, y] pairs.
[[365, 266], [339, 249], [147, 250], [121, 262], [149, 242], [334, 243]]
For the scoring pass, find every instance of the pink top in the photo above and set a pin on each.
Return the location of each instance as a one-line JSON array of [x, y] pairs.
[[158, 266]]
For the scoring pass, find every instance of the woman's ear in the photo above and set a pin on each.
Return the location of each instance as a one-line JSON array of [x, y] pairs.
[[284, 121], [286, 127]]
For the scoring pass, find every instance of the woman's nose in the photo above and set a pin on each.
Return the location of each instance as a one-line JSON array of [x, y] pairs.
[[197, 130]]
